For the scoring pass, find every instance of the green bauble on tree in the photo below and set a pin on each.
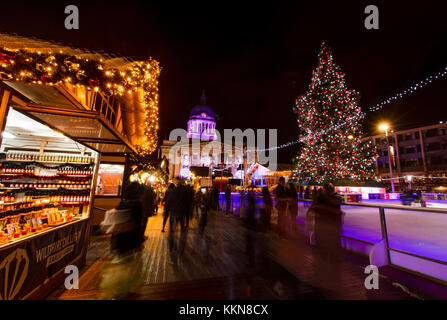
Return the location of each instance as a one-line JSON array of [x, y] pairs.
[[330, 122]]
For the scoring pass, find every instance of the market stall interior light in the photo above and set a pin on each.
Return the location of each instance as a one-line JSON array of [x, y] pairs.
[[8, 135], [24, 130]]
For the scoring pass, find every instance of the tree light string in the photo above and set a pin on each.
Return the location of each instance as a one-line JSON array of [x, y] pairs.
[[421, 84]]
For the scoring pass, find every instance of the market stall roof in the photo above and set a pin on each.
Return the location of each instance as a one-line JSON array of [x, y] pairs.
[[138, 111], [31, 44], [47, 105]]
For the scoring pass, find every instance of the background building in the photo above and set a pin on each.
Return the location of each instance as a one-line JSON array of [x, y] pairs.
[[420, 155], [202, 150], [201, 123]]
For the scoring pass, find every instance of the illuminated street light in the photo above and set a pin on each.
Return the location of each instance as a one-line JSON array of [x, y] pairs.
[[385, 127]]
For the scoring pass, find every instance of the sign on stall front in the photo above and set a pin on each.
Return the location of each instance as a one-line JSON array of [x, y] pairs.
[[26, 265]]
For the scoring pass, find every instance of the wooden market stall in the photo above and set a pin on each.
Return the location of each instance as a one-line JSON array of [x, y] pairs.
[[69, 118]]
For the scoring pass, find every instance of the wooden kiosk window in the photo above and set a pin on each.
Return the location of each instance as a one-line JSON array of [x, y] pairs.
[[110, 179]]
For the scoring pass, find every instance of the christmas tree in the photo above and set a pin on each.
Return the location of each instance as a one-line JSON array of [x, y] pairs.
[[330, 121]]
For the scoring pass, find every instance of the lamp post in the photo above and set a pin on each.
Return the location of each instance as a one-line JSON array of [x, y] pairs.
[[384, 127]]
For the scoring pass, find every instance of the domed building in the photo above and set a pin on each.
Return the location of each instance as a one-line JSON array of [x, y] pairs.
[[201, 123], [202, 155]]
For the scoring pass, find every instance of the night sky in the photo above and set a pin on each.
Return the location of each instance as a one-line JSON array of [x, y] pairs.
[[254, 58]]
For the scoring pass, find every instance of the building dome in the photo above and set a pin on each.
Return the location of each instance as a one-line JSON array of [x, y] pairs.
[[201, 123], [201, 110]]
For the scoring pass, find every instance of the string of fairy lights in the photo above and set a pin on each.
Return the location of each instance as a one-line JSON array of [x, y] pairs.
[[412, 89], [59, 68]]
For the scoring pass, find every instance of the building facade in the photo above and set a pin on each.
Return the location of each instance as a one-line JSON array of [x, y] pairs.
[[203, 150], [418, 152]]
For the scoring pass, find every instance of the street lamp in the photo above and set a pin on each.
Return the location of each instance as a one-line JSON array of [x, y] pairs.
[[385, 127]]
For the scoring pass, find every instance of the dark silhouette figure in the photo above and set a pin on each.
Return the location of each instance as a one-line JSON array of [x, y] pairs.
[[190, 200], [310, 216], [216, 194], [125, 242], [306, 196], [117, 282], [250, 223], [149, 208], [281, 205], [407, 197], [167, 205], [204, 203], [227, 200], [328, 226], [180, 199], [293, 205], [266, 212]]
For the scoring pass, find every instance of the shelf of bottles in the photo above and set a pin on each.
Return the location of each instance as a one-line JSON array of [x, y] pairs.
[[41, 191]]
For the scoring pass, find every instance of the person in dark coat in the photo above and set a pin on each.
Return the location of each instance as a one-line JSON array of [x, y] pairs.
[[266, 212], [180, 200], [216, 195], [306, 196], [227, 200], [190, 204], [149, 208], [292, 196], [125, 242], [204, 204], [167, 205], [281, 204], [251, 228], [328, 228]]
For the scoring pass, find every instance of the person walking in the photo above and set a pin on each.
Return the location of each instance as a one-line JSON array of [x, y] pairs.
[[306, 196], [250, 229], [124, 242], [310, 216], [328, 227], [189, 204], [149, 206], [204, 204], [179, 198], [292, 196], [167, 205], [122, 274], [281, 204], [266, 212], [227, 200], [216, 195]]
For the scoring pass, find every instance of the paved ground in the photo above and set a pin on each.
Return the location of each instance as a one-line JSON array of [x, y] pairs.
[[219, 266]]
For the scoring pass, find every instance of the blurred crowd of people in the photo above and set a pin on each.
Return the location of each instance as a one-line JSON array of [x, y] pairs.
[[182, 203]]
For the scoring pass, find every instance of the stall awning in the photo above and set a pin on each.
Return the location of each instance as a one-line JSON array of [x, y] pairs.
[[47, 105]]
